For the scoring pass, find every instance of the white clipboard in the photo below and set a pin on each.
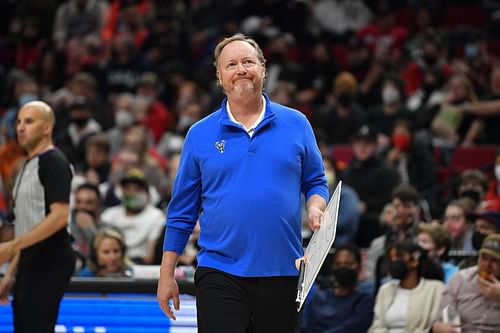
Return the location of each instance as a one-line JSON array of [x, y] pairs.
[[319, 246]]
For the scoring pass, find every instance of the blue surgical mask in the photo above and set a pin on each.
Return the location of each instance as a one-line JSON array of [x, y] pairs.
[[471, 51], [26, 98]]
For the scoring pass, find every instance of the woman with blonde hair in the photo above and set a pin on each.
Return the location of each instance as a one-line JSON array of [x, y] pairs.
[[450, 125], [108, 255]]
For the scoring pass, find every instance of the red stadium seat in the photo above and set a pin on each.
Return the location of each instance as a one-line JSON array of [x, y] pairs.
[[477, 157], [464, 15], [342, 154]]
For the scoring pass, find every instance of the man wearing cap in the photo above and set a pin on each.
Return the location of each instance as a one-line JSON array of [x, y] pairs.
[[473, 295], [140, 222], [373, 179], [485, 224]]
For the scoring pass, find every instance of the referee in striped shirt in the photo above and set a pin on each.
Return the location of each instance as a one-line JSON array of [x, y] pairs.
[[42, 260]]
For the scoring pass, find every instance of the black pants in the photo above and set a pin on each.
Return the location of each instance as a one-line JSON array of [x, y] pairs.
[[232, 304], [43, 276]]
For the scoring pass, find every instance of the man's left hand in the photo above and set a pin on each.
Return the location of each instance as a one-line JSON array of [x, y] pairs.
[[490, 288]]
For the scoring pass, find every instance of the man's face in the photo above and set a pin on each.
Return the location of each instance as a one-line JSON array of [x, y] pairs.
[[239, 70], [425, 241], [87, 200], [406, 212], [363, 149], [95, 156], [490, 264], [485, 227], [345, 259], [31, 127]]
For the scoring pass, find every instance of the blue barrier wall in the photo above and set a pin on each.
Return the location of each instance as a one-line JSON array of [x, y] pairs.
[[115, 313]]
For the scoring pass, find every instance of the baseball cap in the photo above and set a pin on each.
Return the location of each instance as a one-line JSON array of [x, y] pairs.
[[491, 246], [135, 176], [148, 79], [365, 132], [491, 216]]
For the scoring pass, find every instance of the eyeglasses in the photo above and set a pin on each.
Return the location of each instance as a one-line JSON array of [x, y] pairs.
[[453, 217]]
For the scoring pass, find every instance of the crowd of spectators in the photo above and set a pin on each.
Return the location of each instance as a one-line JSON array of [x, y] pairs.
[[401, 86]]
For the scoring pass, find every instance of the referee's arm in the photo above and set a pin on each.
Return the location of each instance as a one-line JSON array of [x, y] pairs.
[[56, 220]]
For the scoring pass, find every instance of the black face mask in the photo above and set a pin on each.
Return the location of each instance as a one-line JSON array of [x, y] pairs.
[[430, 59], [345, 277], [473, 195], [477, 240], [80, 122], [345, 99], [429, 87], [398, 269]]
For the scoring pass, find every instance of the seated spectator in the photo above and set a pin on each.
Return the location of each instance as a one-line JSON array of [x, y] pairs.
[[139, 221], [124, 115], [97, 165], [404, 226], [108, 256], [82, 126], [384, 36], [436, 240], [450, 126], [485, 224], [458, 225], [473, 185], [492, 197], [188, 113], [489, 108], [373, 179], [412, 159], [473, 295], [409, 303], [341, 116], [85, 217], [348, 217], [429, 53], [123, 162], [155, 116], [383, 116], [78, 18], [340, 308]]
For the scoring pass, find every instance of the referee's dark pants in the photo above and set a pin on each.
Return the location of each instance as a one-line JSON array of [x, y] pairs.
[[232, 304], [43, 275]]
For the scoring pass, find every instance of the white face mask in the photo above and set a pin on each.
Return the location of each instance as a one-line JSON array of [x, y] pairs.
[[185, 122], [390, 95], [123, 119], [497, 172]]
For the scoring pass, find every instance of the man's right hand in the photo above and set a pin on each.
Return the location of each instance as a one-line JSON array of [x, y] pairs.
[[5, 285], [84, 220], [168, 289]]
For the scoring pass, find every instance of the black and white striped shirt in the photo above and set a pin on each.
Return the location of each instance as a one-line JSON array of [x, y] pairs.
[[44, 179]]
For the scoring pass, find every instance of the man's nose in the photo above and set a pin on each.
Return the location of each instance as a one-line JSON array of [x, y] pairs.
[[241, 69]]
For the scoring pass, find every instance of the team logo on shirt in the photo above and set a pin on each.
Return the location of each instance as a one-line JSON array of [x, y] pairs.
[[220, 146]]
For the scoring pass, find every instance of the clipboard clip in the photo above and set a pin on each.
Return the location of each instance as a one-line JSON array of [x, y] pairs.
[[300, 284]]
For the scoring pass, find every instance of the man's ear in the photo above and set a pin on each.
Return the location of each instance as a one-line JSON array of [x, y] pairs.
[[217, 75]]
